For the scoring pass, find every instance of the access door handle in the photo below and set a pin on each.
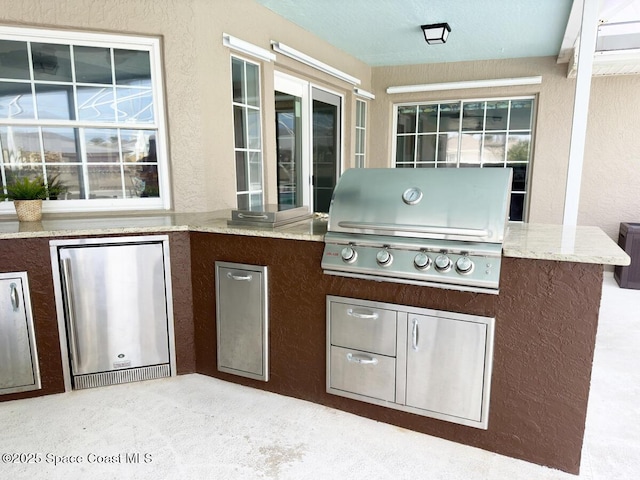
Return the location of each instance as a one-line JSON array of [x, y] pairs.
[[15, 298], [240, 278], [415, 334]]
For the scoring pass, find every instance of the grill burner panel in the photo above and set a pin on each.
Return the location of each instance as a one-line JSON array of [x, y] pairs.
[[471, 267]]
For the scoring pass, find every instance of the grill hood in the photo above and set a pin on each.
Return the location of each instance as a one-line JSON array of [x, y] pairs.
[[466, 204]]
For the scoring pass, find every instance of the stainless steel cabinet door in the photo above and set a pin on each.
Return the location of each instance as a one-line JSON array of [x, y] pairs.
[[18, 358], [241, 319], [116, 306], [446, 365]]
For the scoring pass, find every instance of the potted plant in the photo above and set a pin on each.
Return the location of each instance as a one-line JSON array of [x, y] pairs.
[[27, 196]]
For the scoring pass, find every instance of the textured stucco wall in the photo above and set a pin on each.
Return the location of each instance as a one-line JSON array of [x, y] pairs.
[[198, 78], [611, 172]]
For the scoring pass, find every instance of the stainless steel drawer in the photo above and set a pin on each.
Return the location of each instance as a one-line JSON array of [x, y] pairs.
[[364, 328], [363, 373]]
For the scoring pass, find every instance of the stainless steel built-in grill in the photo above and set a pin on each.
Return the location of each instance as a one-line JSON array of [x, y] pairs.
[[436, 227]]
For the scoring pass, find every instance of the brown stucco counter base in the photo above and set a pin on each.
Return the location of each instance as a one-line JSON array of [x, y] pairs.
[[546, 321], [32, 255]]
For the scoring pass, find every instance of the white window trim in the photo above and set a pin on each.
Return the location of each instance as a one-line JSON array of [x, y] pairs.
[[129, 42], [260, 109]]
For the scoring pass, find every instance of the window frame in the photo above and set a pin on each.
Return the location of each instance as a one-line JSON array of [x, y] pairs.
[[113, 41], [460, 131], [360, 138], [247, 149]]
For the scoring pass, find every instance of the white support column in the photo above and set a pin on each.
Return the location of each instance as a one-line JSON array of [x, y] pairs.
[[587, 47]]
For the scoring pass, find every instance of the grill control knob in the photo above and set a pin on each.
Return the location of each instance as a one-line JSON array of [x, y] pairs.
[[464, 265], [348, 254], [443, 263], [383, 257], [422, 261]]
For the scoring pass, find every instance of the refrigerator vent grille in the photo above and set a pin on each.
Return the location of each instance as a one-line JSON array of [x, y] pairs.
[[121, 376]]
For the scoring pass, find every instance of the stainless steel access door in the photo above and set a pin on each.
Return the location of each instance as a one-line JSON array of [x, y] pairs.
[[18, 358], [115, 305], [241, 320], [446, 365]]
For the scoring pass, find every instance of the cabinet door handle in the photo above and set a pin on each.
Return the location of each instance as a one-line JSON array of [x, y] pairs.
[[415, 335], [367, 316], [240, 278], [15, 298], [362, 359], [247, 215], [73, 342]]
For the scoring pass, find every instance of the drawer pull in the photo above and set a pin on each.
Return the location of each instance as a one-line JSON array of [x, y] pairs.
[[362, 359], [364, 315]]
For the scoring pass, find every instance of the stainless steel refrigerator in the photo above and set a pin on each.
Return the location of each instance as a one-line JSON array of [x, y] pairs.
[[115, 300]]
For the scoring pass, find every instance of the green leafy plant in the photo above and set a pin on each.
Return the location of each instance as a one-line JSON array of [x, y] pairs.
[[56, 188], [26, 189]]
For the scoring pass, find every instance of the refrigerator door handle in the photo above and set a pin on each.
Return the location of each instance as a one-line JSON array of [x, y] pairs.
[[68, 292], [15, 299]]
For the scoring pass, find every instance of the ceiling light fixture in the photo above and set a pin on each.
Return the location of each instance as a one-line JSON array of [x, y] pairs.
[[436, 33]]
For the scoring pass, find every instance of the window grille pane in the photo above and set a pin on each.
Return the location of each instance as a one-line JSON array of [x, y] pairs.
[[15, 173], [105, 181], [60, 145], [138, 146], [252, 85], [426, 148], [16, 101], [473, 116], [448, 148], [493, 150], [406, 119], [242, 182], [239, 128], [449, 117], [102, 145], [519, 148], [470, 149], [51, 62], [55, 102], [20, 145], [253, 128], [68, 175], [93, 65], [132, 67], [14, 60], [521, 115], [427, 118], [237, 80], [405, 148], [96, 104], [141, 181], [134, 105], [519, 182], [516, 210], [497, 115], [255, 171]]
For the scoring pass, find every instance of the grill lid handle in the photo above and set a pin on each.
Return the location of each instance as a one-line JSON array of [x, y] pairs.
[[426, 229]]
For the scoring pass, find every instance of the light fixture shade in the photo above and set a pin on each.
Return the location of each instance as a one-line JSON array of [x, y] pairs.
[[436, 33]]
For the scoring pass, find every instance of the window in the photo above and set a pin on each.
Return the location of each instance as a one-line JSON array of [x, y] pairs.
[[86, 111], [247, 127], [361, 128], [477, 133]]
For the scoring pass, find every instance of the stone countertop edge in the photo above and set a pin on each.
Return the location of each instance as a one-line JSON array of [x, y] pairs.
[[580, 244]]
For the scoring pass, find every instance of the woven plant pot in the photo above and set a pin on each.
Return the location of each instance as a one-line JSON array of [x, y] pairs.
[[28, 210]]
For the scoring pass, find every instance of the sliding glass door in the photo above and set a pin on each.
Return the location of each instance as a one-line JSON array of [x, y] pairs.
[[308, 143]]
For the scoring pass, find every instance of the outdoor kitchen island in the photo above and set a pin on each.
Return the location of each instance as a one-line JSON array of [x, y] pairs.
[[546, 317]]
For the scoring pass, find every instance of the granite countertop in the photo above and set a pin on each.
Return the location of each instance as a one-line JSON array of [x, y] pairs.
[[536, 241]]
